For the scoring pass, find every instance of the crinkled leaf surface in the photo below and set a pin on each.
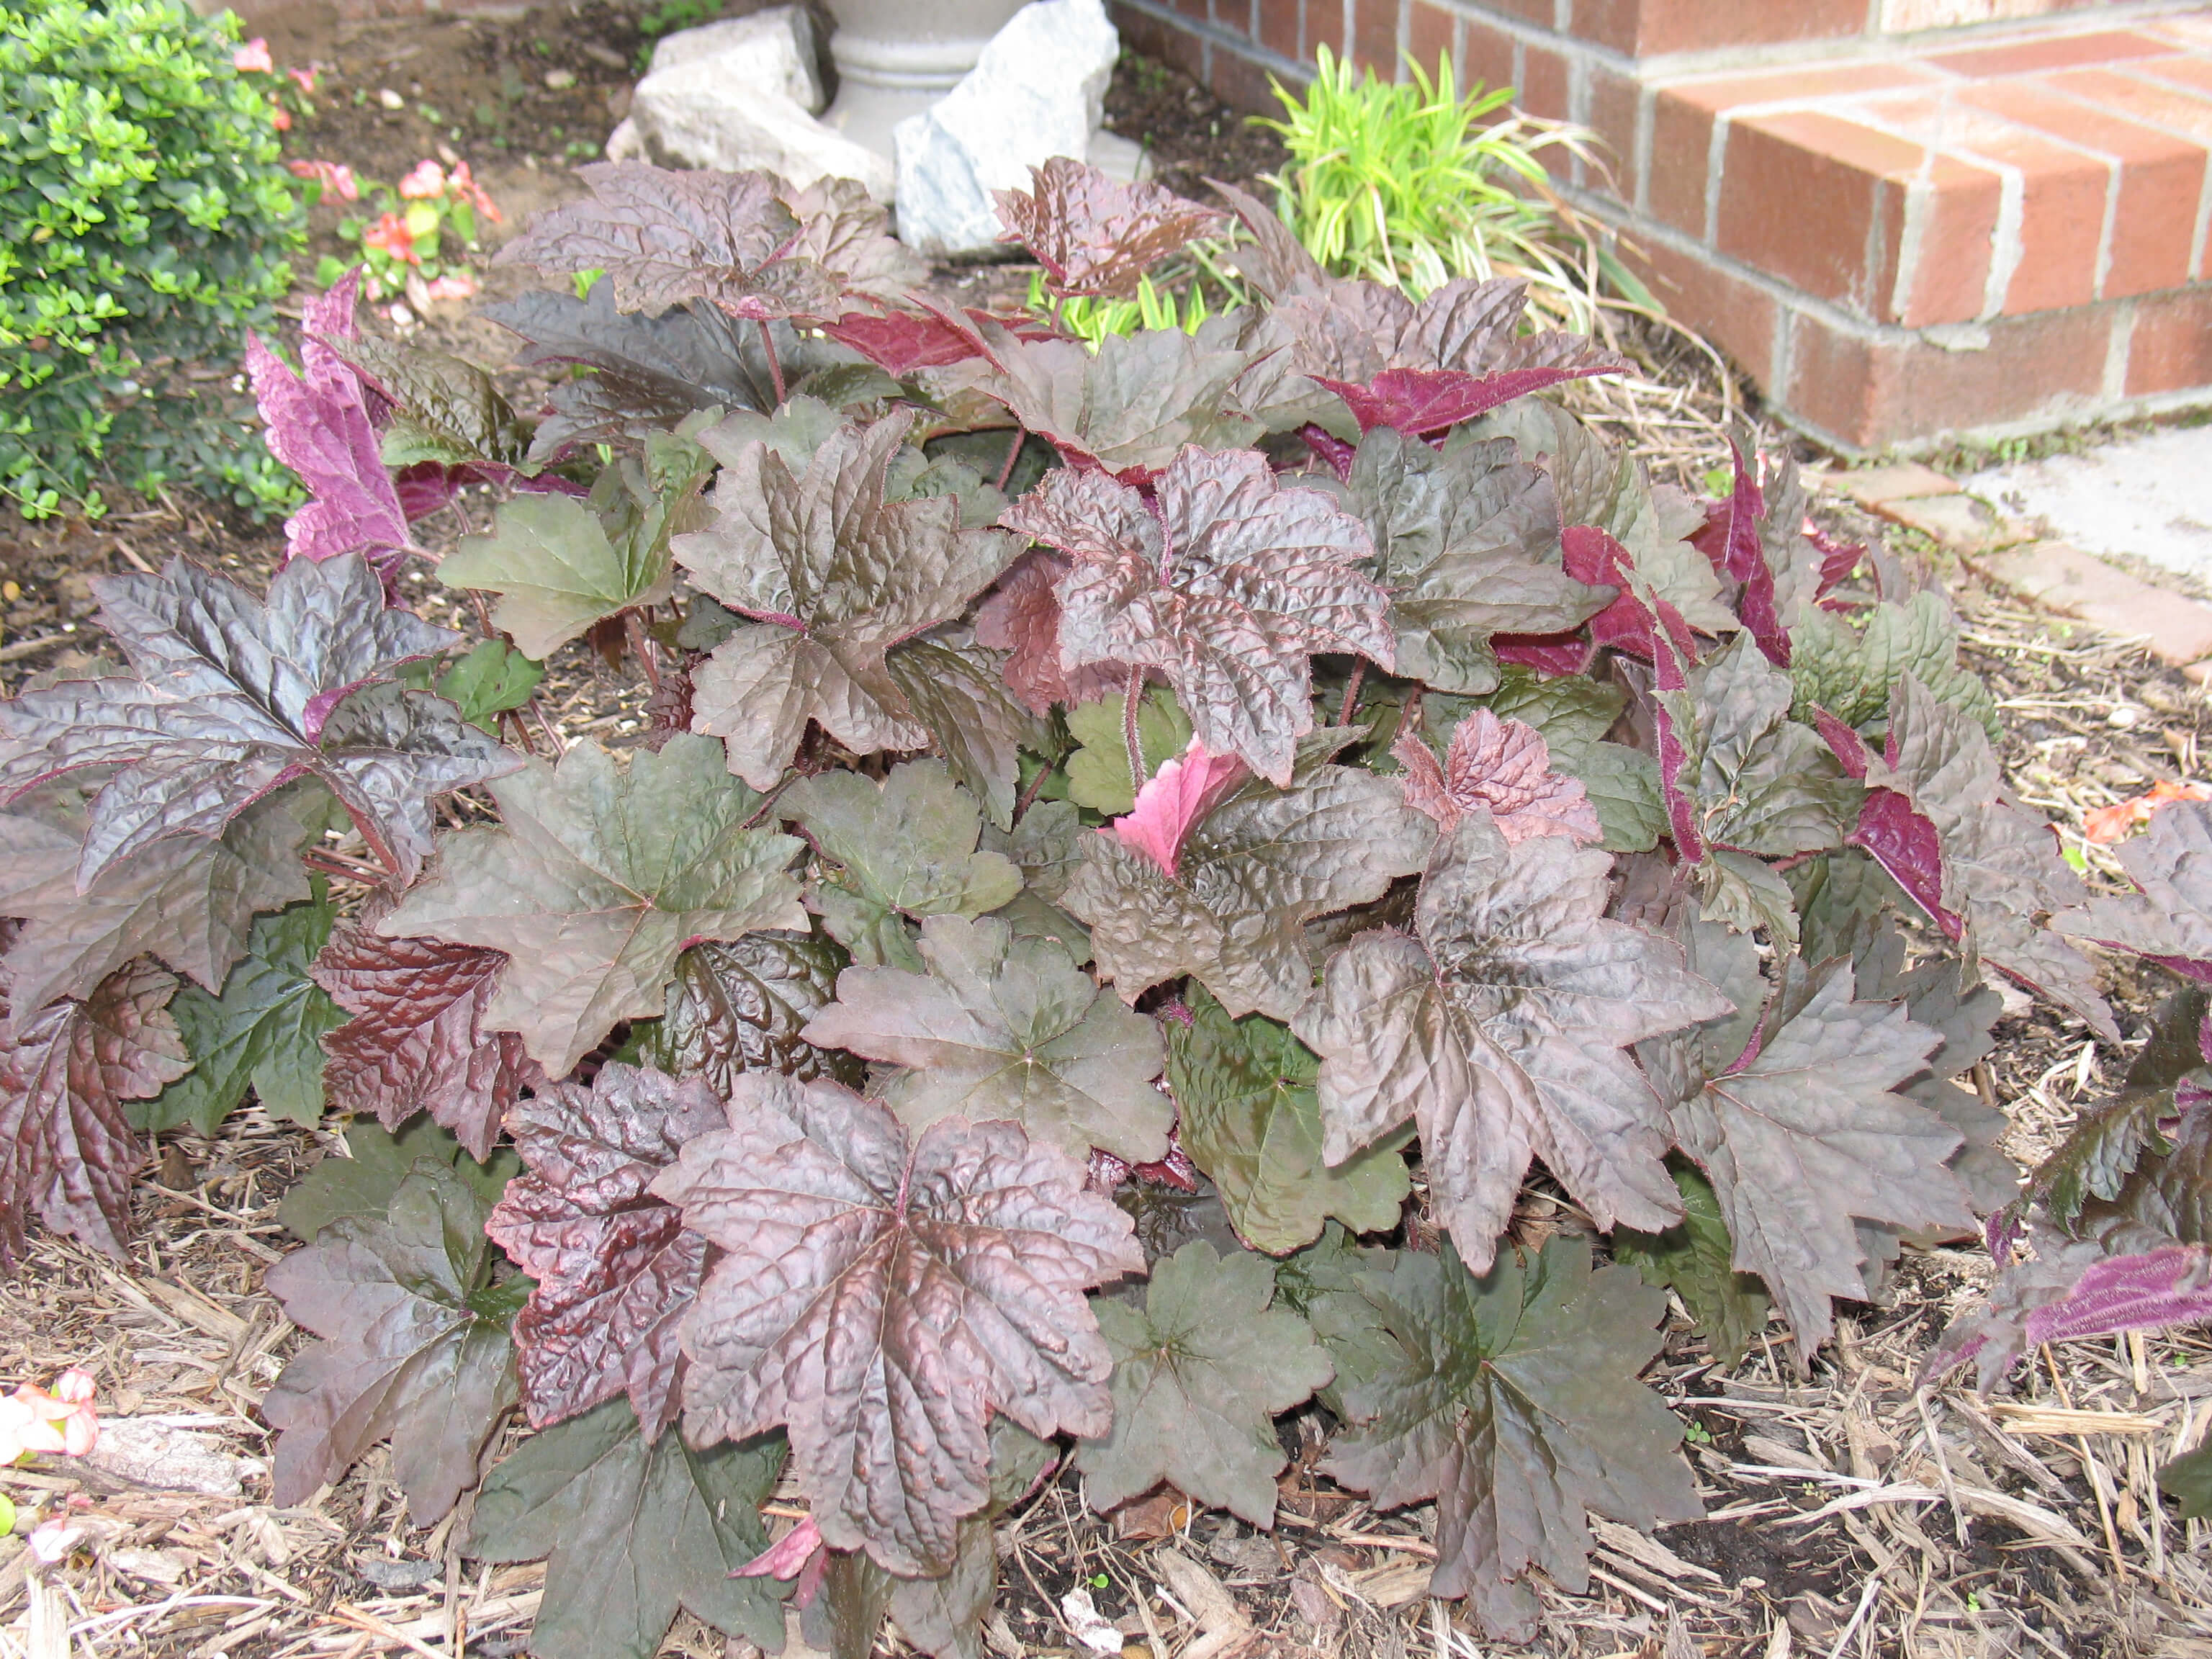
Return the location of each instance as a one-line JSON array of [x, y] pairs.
[[1021, 617], [70, 1152], [360, 1182], [1247, 880], [236, 696], [1131, 406], [1468, 544], [958, 690], [1804, 1130], [615, 1271], [1092, 233], [1098, 771], [1512, 1400], [1696, 1259], [444, 411], [2171, 918], [1497, 1026], [663, 237], [740, 1007], [189, 900], [632, 1529], [1502, 766], [418, 1040], [265, 1030], [1005, 1027], [1200, 1373], [847, 232], [415, 1346], [2000, 866], [1846, 664], [596, 877], [1249, 1116], [881, 1297], [833, 575], [1225, 583], [905, 846]]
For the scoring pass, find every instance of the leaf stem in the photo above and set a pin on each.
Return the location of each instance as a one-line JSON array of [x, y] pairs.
[[1014, 454], [1029, 793], [1351, 702], [643, 648], [546, 724], [775, 363], [1131, 697]]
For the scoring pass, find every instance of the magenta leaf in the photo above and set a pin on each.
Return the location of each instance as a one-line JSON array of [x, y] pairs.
[[319, 425], [1417, 401]]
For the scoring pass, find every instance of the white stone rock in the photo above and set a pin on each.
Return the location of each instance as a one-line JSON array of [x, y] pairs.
[[1037, 91], [688, 117], [624, 144], [773, 49]]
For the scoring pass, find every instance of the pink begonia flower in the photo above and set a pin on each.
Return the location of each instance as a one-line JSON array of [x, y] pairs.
[[33, 1420], [461, 184], [429, 178], [302, 78], [390, 234], [454, 285], [254, 58], [335, 178]]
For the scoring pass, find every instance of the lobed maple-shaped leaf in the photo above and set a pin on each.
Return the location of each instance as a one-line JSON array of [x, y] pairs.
[[1020, 616], [956, 689], [596, 877], [632, 1529], [319, 424], [1497, 1026], [1098, 774], [1468, 542], [189, 900], [905, 846], [833, 574], [1248, 1115], [1223, 581], [360, 1182], [67, 1150], [1501, 767], [264, 1030], [1695, 1258], [1131, 406], [417, 1041], [1092, 233], [1200, 1373], [2169, 918], [740, 1007], [415, 1346], [1572, 714], [2000, 868], [561, 565], [1005, 1027], [1247, 881], [1414, 401], [1804, 1129], [848, 233], [235, 696], [444, 412], [880, 1298], [1512, 1400], [663, 237], [616, 1270]]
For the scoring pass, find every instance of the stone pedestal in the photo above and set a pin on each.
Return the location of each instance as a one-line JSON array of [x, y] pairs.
[[896, 57]]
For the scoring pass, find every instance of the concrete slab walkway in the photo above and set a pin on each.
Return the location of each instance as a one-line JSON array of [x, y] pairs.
[[2150, 496]]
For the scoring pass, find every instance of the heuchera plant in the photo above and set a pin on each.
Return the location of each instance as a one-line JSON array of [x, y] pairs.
[[1231, 806]]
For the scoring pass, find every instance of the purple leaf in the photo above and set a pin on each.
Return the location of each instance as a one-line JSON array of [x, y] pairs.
[[320, 426], [1094, 234], [1418, 401]]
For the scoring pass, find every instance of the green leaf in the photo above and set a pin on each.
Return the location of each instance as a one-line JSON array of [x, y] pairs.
[[1695, 1258], [1846, 663], [1250, 1119], [1098, 771], [1004, 1027], [450, 411], [739, 1008], [265, 1030], [2103, 1148], [1321, 1281], [1200, 1373], [632, 1533], [2188, 1481], [491, 678], [904, 847], [596, 879], [1623, 784], [361, 1184], [1512, 1400]]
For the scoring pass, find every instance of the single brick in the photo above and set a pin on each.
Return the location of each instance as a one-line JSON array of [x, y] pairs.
[[2052, 52], [1736, 315], [2170, 349], [1904, 480]]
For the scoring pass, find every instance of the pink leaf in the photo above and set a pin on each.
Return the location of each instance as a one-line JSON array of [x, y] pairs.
[[787, 1557], [1176, 801], [320, 426], [1419, 400], [1503, 767]]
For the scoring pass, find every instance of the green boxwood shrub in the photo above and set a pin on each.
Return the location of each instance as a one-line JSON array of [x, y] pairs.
[[145, 221]]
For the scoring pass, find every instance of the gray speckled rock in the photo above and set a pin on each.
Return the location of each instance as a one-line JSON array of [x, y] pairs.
[[1037, 91], [774, 49]]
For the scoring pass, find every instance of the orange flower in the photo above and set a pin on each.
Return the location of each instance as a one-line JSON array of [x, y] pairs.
[[253, 58], [461, 184], [389, 234], [2115, 823], [33, 1420], [280, 119]]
